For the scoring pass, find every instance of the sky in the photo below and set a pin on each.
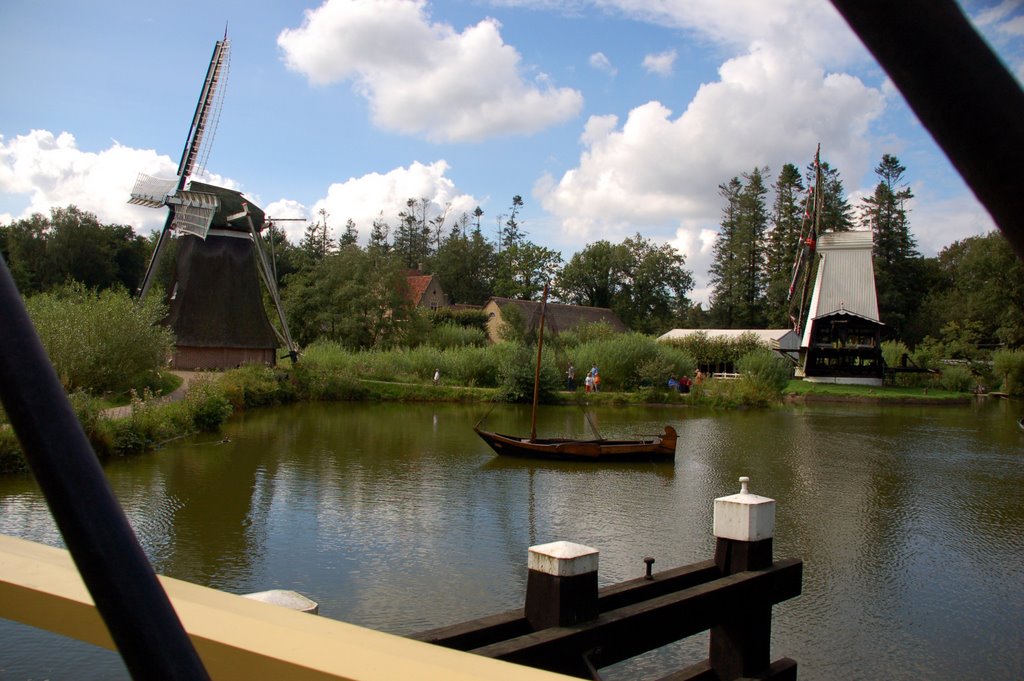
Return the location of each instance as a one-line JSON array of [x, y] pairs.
[[609, 118]]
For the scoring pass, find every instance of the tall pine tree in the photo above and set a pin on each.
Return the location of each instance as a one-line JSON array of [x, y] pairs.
[[896, 259], [786, 219], [738, 272], [724, 277], [413, 235]]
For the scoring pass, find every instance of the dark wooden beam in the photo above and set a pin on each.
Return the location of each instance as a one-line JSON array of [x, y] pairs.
[[502, 626], [619, 634]]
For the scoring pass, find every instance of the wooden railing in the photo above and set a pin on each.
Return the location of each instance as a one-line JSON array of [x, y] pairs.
[[570, 626], [237, 638]]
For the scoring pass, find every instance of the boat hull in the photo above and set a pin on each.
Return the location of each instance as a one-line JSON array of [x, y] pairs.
[[660, 448]]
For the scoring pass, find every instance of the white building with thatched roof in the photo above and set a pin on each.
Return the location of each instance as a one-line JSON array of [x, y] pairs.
[[559, 317]]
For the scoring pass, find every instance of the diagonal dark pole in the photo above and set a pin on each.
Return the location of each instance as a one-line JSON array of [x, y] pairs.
[[536, 373], [960, 91], [137, 612]]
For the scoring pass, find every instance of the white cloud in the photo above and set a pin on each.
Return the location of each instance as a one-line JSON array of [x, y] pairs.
[[51, 171], [599, 61], [938, 222], [659, 174], [661, 63], [421, 77], [364, 198], [293, 218], [815, 26]]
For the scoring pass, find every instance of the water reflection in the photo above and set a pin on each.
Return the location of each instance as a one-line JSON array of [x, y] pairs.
[[909, 520]]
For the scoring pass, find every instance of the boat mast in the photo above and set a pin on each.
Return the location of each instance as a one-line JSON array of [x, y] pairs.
[[536, 372], [803, 266]]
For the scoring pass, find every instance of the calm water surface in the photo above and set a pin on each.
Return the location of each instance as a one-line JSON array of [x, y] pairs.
[[910, 522]]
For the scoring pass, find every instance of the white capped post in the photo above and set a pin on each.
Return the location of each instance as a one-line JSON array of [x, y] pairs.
[[561, 586], [744, 516]]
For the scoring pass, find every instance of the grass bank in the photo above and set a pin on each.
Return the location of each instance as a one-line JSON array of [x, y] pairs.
[[213, 398], [798, 390]]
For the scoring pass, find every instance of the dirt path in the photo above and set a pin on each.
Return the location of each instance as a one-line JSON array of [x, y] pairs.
[[186, 380]]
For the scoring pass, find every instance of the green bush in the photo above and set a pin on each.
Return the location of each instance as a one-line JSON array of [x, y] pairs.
[[207, 405], [716, 353], [328, 355], [764, 372], [101, 341], [654, 373], [623, 360], [587, 333], [467, 319], [472, 366], [516, 370], [255, 385], [893, 351], [315, 382], [450, 335], [1008, 367], [957, 378], [670, 361]]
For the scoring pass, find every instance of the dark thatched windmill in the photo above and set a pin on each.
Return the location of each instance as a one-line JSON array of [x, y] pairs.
[[215, 298]]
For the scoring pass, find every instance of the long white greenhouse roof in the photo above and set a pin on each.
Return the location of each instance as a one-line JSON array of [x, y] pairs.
[[765, 335]]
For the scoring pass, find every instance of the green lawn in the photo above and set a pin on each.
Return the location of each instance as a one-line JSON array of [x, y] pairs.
[[803, 388]]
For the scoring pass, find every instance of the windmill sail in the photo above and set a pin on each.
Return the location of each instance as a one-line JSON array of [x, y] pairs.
[[151, 192], [210, 100], [193, 212], [190, 213]]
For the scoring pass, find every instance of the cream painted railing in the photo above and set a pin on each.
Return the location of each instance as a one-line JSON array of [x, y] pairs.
[[236, 637]]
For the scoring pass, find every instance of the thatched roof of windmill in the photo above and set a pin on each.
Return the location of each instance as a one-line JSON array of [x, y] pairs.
[[218, 298], [230, 204]]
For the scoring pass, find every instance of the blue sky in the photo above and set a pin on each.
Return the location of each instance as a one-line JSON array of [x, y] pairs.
[[609, 117]]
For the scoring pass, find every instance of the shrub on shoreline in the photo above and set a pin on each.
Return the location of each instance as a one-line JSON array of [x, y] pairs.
[[101, 341]]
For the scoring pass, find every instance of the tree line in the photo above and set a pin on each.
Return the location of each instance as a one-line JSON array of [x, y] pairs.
[[970, 294], [336, 289]]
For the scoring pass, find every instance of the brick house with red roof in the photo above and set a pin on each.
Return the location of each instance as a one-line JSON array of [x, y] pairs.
[[425, 290]]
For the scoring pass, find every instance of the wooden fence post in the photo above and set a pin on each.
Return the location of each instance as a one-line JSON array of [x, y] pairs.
[[744, 524], [561, 586]]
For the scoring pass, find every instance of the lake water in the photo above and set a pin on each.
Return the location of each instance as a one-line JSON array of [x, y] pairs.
[[910, 522]]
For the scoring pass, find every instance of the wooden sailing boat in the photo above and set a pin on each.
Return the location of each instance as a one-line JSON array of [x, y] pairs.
[[657, 448]]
